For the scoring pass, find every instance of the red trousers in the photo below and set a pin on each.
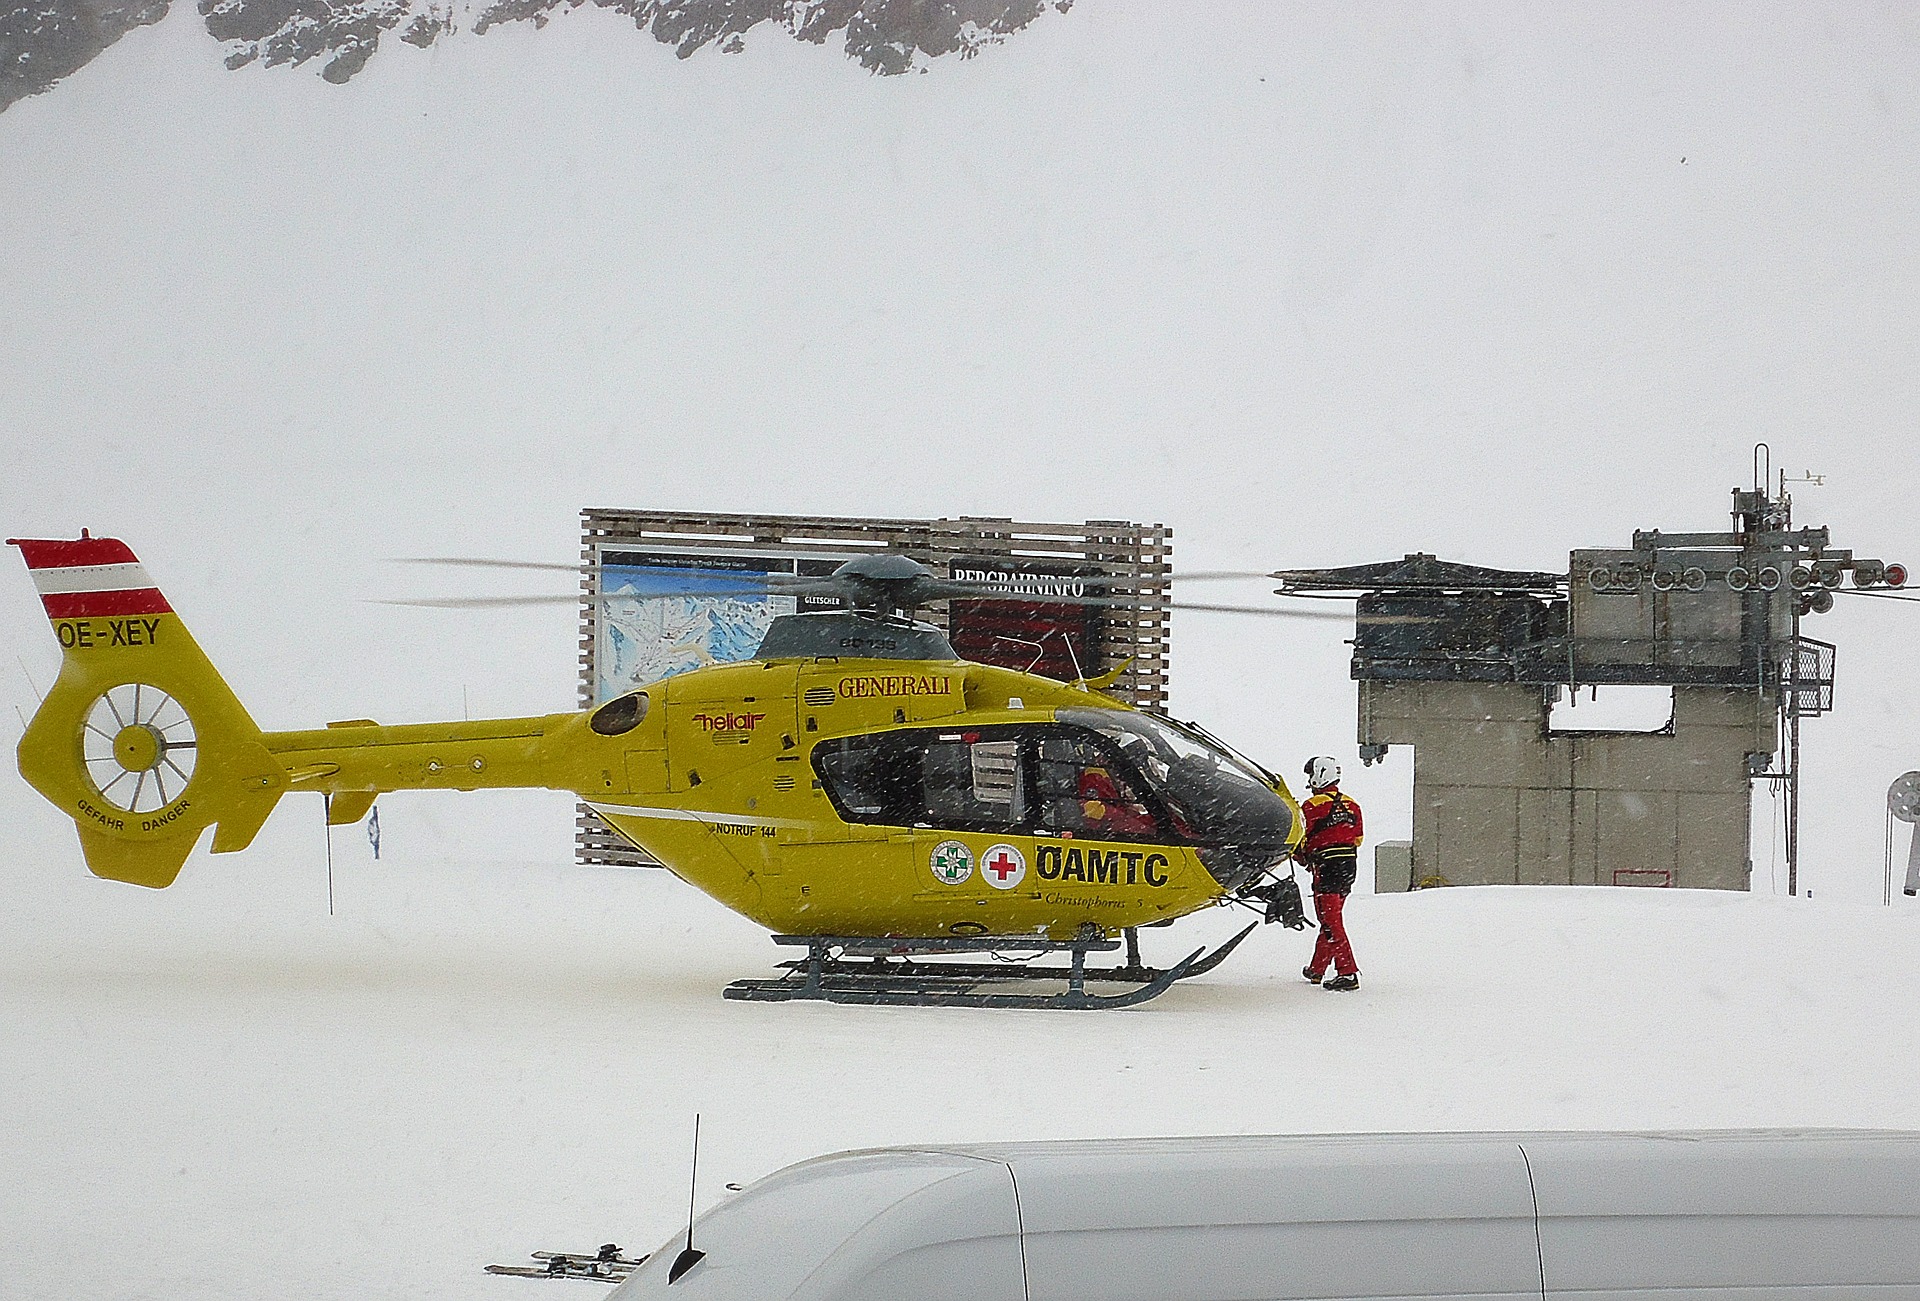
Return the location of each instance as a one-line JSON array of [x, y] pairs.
[[1332, 946]]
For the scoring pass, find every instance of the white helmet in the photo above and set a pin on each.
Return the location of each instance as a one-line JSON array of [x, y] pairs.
[[1322, 773]]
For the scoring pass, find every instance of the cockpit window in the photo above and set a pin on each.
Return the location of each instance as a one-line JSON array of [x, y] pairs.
[[1212, 795], [1083, 790]]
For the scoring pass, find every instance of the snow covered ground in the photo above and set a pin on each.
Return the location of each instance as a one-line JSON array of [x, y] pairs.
[[464, 1065]]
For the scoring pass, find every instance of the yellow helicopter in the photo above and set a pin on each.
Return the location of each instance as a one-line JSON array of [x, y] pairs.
[[855, 787]]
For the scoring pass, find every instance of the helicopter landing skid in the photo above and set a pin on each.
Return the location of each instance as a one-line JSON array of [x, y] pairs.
[[863, 969]]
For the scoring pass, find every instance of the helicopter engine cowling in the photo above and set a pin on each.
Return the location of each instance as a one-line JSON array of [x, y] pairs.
[[852, 635]]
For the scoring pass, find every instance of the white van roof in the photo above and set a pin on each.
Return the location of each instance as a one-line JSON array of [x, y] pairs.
[[1415, 1214]]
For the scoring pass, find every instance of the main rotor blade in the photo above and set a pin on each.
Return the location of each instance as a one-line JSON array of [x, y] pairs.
[[472, 562], [746, 578], [1266, 611], [1155, 580], [1274, 612], [480, 602], [1883, 596], [1089, 580], [562, 598]]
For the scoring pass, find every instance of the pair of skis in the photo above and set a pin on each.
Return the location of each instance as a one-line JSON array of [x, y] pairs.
[[606, 1265]]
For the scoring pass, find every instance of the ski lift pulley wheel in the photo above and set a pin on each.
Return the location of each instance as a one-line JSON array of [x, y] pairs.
[[1903, 797]]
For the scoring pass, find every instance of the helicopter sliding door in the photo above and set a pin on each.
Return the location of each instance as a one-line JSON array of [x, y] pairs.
[[970, 780], [922, 786], [845, 862], [1010, 828]]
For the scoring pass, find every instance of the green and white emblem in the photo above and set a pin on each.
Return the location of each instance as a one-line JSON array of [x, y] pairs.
[[952, 862]]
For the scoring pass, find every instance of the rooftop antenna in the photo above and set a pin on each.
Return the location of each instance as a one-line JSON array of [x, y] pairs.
[[1807, 477], [1039, 651], [1079, 675], [690, 1255], [1903, 804]]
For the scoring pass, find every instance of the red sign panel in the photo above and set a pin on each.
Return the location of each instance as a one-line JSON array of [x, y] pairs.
[[1043, 625]]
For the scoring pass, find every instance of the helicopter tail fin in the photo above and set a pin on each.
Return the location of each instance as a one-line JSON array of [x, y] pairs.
[[140, 741]]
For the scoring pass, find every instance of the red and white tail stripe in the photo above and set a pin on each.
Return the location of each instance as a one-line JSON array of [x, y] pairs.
[[89, 576]]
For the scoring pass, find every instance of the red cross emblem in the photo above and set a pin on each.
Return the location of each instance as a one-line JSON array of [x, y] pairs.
[[1003, 866]]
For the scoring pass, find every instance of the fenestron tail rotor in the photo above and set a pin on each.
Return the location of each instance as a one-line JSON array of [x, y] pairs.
[[140, 740], [138, 746]]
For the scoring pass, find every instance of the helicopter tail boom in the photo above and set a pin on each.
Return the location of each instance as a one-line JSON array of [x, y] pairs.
[[140, 741]]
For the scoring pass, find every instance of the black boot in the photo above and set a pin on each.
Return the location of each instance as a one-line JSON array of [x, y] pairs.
[[1343, 983]]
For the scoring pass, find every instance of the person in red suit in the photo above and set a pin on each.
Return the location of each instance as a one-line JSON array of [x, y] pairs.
[[1330, 849], [1107, 808]]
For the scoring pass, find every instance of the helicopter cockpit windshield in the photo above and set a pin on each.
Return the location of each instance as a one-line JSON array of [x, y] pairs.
[[1215, 797]]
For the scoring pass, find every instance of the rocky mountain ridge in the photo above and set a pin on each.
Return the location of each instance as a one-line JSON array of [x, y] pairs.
[[43, 41]]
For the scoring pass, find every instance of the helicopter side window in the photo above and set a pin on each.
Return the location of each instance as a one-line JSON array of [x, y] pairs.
[[931, 779], [870, 781], [970, 782], [1085, 791]]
